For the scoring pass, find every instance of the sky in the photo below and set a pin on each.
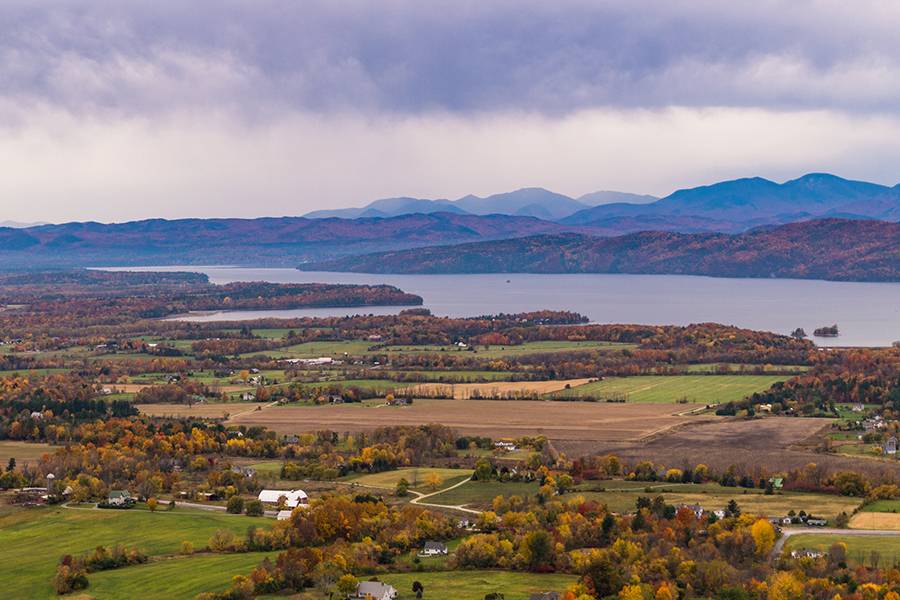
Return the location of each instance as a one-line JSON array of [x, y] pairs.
[[113, 110]]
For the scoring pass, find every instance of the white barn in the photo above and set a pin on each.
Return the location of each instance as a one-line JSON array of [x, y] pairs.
[[294, 498]]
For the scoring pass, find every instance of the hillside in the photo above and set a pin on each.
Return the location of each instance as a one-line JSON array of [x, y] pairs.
[[264, 241], [824, 249]]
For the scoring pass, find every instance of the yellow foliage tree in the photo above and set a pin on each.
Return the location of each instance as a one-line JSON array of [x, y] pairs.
[[631, 592], [785, 586], [763, 536], [666, 592], [433, 480]]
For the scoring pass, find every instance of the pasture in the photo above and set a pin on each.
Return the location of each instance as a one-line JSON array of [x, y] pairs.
[[23, 452], [415, 476], [703, 389], [473, 585], [180, 577], [579, 421], [58, 530], [859, 547], [204, 410]]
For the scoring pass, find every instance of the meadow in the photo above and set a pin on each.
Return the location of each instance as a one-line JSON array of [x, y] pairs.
[[859, 547], [473, 585], [23, 452], [415, 476], [34, 540], [704, 389]]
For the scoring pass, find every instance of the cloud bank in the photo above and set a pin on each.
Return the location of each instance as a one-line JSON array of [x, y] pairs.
[[113, 110]]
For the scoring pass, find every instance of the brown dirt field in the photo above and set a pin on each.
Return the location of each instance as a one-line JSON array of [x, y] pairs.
[[464, 391], [134, 388], [775, 443], [574, 421], [204, 410], [873, 520]]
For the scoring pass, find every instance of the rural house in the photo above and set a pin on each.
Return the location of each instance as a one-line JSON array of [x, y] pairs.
[[434, 549], [119, 498], [293, 498], [375, 590], [890, 446]]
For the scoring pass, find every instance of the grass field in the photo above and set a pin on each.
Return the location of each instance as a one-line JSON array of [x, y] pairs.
[[876, 520], [883, 506], [621, 496], [174, 579], [205, 410], [34, 540], [704, 389], [859, 547], [23, 452], [513, 350], [415, 476], [473, 585]]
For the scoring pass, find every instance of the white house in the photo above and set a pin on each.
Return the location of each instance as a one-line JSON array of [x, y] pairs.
[[434, 549], [294, 498], [119, 498], [284, 515], [374, 589]]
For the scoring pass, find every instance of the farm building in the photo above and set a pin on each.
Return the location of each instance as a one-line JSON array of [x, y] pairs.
[[294, 498], [284, 515], [890, 446], [375, 590]]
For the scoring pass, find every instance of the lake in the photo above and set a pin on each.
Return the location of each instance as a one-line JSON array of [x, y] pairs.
[[868, 314]]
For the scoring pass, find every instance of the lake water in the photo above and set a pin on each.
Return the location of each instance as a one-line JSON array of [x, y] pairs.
[[868, 314]]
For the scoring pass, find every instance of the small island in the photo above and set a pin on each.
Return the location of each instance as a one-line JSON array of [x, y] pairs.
[[831, 331]]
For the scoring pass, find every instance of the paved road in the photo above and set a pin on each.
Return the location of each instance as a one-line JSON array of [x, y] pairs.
[[790, 532]]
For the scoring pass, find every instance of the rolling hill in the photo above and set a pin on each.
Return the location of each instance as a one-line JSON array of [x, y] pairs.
[[835, 249]]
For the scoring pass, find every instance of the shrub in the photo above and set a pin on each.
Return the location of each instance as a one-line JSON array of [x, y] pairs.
[[254, 508]]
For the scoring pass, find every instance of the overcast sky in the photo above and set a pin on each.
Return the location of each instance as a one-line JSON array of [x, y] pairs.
[[114, 110]]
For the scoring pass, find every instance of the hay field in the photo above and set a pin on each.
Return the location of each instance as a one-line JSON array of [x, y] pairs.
[[494, 389], [202, 410], [579, 421], [876, 520]]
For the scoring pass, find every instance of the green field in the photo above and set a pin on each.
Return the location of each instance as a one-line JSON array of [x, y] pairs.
[[175, 578], [34, 540], [890, 506], [23, 452], [473, 585], [512, 350], [621, 496], [317, 349], [415, 476], [859, 547], [704, 389]]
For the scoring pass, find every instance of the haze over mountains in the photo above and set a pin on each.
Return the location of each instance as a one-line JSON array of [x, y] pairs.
[[731, 207], [734, 205]]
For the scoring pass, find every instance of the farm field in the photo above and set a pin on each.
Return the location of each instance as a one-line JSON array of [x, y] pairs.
[[882, 506], [580, 421], [876, 520], [204, 410], [23, 452], [414, 475], [859, 547], [58, 531], [495, 389], [473, 585], [527, 348], [621, 496], [778, 442], [704, 389], [175, 578]]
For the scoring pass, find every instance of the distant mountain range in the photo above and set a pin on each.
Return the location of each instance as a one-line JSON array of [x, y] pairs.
[[728, 206], [732, 207], [835, 249], [526, 202]]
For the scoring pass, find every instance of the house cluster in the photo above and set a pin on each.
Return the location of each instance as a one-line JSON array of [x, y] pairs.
[[505, 445], [872, 424], [310, 362], [800, 518], [699, 511], [807, 554]]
